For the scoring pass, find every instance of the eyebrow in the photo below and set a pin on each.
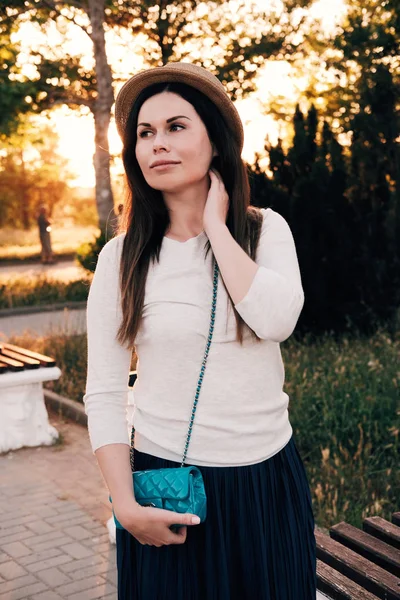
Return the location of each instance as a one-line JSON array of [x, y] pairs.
[[168, 120]]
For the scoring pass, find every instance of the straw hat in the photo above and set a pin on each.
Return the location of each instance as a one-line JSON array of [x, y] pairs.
[[183, 72]]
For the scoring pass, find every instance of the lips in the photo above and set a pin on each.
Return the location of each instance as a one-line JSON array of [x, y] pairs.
[[163, 163]]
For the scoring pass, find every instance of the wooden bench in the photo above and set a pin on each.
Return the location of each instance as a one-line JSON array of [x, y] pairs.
[[360, 564], [24, 419]]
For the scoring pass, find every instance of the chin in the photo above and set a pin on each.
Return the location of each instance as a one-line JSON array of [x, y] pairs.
[[168, 184]]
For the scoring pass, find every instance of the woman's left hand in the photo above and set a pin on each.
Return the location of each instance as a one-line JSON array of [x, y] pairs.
[[217, 204]]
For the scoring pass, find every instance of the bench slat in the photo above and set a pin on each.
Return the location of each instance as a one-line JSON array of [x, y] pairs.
[[366, 545], [46, 361], [368, 575], [396, 518], [382, 529], [337, 586], [30, 363], [13, 365]]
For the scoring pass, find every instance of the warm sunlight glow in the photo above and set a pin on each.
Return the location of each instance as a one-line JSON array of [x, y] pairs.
[[75, 127]]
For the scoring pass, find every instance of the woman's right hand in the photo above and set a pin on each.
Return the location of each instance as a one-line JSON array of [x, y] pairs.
[[151, 526]]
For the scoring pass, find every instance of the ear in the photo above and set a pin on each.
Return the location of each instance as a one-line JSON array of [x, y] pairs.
[[215, 152]]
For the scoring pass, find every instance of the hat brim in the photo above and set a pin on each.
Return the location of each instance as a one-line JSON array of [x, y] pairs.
[[192, 75]]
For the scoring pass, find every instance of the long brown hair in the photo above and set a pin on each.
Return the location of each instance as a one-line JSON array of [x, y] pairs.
[[145, 217]]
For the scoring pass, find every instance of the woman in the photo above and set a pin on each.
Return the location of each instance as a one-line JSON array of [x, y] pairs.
[[152, 290]]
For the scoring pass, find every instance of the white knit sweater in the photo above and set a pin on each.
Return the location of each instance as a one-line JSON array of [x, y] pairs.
[[242, 415]]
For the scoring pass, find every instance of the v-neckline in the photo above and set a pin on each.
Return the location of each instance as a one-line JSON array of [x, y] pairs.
[[196, 237]]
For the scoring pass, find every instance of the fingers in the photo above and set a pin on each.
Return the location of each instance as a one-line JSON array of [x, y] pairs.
[[161, 531], [215, 176], [180, 536], [182, 518]]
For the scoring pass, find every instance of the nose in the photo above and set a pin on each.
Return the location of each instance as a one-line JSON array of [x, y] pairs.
[[160, 142]]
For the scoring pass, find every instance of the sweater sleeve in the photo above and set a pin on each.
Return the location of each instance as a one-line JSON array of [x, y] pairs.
[[275, 298], [108, 362]]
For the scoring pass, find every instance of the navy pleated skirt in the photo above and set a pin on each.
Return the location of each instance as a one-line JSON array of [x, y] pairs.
[[257, 542]]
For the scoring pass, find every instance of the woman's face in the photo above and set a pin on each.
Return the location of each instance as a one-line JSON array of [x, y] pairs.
[[183, 140]]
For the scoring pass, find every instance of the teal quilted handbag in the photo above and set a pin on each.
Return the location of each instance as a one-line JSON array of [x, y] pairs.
[[180, 489]]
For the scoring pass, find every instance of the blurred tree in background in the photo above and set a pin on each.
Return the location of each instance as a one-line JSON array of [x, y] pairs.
[[339, 207], [232, 42], [31, 172], [335, 177]]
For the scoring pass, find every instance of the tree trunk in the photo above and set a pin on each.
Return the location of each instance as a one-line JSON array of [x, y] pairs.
[[102, 113], [25, 206]]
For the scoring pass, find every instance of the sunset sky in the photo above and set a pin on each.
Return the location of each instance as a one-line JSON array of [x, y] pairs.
[[75, 128]]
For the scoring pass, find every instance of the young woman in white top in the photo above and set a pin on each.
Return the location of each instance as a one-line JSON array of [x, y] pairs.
[[152, 293]]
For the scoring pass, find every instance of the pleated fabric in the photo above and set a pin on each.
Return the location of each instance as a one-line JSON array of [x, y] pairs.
[[257, 542]]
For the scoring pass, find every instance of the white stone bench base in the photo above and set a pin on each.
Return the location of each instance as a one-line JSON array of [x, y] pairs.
[[24, 420]]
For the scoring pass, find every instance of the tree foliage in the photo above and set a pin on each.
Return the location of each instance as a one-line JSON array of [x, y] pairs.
[[31, 172], [341, 208]]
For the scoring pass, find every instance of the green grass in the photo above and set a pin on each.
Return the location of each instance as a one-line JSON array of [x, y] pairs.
[[344, 409]]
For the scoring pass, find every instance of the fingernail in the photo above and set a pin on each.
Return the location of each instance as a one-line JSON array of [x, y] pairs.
[[195, 520]]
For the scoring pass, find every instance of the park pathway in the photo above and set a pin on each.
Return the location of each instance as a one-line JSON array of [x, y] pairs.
[[67, 321], [43, 322], [63, 270], [54, 506]]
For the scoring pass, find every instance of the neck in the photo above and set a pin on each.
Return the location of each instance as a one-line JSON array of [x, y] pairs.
[[186, 208]]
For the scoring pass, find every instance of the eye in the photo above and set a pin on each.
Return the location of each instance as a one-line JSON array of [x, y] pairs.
[[141, 134]]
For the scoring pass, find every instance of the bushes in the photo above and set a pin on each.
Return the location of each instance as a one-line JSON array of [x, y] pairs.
[[41, 290], [346, 420], [343, 208], [88, 252]]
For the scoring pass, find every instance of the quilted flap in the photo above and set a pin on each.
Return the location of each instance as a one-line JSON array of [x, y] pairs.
[[162, 483]]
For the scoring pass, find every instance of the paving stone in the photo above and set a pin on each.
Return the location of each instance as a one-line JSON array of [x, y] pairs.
[[49, 595], [66, 518], [81, 585], [23, 592], [20, 520], [99, 569], [53, 577], [40, 527], [102, 548], [88, 523], [96, 540], [84, 521], [4, 557], [16, 549], [46, 512], [54, 541], [66, 507], [39, 556], [75, 565], [11, 570], [36, 540], [77, 550], [112, 577], [14, 584], [59, 541], [78, 532], [55, 561], [7, 531], [94, 593], [22, 535]]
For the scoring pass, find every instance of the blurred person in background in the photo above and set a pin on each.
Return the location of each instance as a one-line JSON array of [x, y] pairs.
[[44, 225]]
